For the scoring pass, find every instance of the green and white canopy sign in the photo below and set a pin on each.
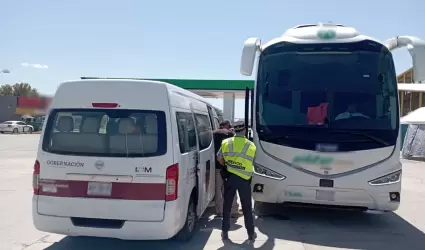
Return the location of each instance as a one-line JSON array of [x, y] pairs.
[[326, 34]]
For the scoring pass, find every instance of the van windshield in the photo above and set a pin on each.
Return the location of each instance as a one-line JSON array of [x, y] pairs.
[[106, 132]]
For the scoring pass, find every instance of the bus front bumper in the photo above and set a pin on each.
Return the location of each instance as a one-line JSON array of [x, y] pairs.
[[382, 198]]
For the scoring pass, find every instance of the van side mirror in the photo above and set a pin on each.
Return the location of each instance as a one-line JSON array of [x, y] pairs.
[[418, 58], [249, 51]]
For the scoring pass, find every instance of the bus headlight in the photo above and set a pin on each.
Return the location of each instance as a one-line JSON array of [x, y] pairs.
[[387, 179], [263, 171]]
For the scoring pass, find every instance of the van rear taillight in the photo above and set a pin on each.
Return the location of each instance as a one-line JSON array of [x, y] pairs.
[[42, 186], [36, 178], [172, 182], [105, 105]]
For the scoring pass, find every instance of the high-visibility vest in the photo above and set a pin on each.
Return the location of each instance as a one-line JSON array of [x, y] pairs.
[[239, 153]]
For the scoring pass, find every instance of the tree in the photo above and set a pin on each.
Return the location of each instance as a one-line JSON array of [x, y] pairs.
[[18, 89], [6, 90]]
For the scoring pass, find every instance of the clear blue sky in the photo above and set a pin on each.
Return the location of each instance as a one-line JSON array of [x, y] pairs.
[[172, 39]]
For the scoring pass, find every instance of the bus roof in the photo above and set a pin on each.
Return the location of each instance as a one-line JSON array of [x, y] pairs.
[[320, 33]]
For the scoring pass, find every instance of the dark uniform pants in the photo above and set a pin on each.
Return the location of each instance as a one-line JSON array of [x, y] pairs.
[[235, 183]]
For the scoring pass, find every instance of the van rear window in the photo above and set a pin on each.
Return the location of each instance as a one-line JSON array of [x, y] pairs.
[[106, 132]]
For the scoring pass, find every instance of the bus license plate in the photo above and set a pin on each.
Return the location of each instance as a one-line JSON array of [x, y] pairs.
[[99, 189], [325, 195]]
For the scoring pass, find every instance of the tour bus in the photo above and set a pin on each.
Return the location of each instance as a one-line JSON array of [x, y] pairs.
[[326, 117], [127, 159]]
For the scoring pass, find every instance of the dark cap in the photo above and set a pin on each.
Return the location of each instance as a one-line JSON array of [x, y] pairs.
[[224, 123]]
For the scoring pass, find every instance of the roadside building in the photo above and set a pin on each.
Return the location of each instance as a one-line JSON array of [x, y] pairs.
[[14, 107], [409, 101]]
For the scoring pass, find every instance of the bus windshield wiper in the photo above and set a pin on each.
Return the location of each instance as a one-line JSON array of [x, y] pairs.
[[371, 137]]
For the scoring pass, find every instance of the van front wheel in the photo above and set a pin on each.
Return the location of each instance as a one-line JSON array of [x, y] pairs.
[[188, 229]]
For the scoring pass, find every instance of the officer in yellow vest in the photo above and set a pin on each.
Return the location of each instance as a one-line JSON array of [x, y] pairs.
[[237, 155]]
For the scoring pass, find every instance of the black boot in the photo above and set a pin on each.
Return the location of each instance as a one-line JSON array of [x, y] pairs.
[[252, 236], [224, 235]]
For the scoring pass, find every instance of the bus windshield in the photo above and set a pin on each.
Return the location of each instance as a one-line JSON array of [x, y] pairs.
[[342, 92]]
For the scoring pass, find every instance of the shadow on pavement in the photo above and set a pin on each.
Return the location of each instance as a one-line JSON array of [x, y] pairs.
[[205, 227], [339, 229], [285, 228]]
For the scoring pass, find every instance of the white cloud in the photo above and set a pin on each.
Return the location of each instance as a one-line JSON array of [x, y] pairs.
[[35, 65]]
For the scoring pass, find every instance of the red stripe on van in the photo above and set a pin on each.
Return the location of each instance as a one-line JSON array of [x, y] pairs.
[[123, 191]]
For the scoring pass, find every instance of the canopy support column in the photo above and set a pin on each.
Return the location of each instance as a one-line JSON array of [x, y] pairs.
[[229, 106]]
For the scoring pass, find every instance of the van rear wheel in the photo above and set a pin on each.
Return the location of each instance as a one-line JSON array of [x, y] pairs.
[[188, 229]]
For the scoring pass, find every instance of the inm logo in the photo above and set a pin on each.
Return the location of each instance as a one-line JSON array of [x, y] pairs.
[[143, 169], [147, 169]]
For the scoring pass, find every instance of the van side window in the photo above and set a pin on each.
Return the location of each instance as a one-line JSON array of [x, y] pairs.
[[204, 131], [187, 133], [216, 122], [211, 116]]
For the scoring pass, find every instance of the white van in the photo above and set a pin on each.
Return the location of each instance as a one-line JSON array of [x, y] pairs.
[[127, 159]]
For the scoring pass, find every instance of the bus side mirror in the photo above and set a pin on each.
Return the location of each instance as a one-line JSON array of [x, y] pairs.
[[416, 48], [418, 58], [249, 51]]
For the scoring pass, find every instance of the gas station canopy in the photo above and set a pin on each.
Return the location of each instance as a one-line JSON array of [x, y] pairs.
[[205, 88]]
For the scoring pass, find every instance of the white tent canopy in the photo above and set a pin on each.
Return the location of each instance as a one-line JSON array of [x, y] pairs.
[[416, 117]]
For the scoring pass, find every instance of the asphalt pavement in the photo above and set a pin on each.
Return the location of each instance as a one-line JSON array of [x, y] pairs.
[[292, 229]]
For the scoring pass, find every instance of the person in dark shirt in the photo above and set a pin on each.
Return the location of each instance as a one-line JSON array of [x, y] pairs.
[[219, 135]]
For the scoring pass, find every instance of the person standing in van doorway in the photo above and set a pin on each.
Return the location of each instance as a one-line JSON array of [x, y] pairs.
[[219, 135], [237, 155]]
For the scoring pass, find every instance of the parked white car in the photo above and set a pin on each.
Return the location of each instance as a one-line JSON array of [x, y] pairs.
[[15, 127]]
